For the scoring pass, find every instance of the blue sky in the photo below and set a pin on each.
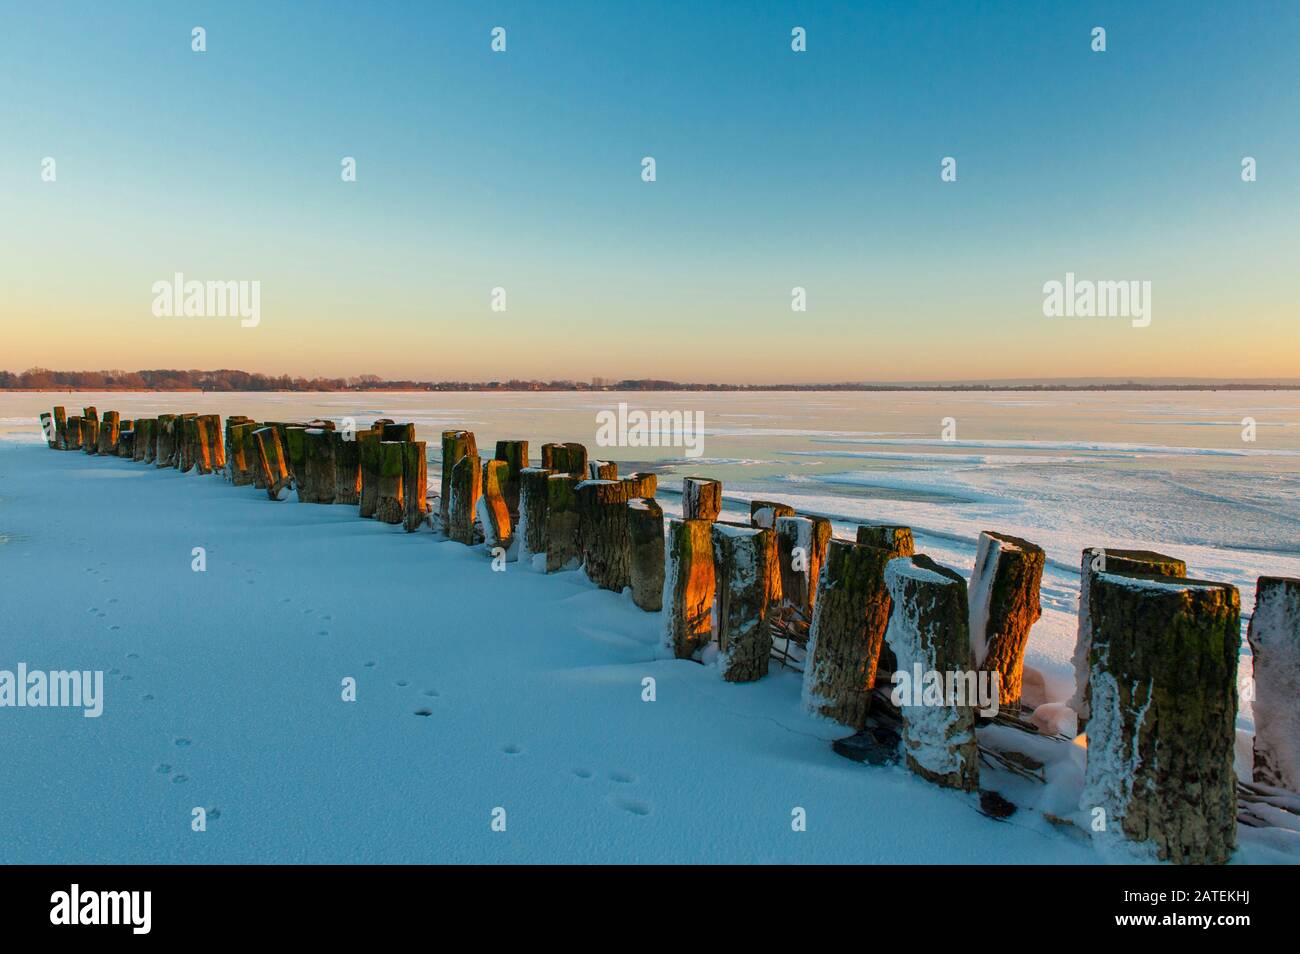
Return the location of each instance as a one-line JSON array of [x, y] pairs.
[[775, 169]]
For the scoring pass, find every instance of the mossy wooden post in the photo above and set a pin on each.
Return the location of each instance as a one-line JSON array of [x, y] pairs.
[[61, 428], [415, 484], [701, 498], [763, 513], [640, 486], [239, 464], [211, 456], [531, 532], [466, 488], [165, 442], [515, 454], [801, 544], [847, 632], [645, 522], [399, 432], [347, 466], [493, 512], [389, 505], [562, 548], [1004, 606], [318, 467], [74, 432], [456, 445], [602, 470], [233, 448], [929, 632], [187, 445], [888, 536], [689, 587], [368, 455], [295, 449], [251, 454], [1274, 636], [744, 558], [565, 459], [271, 463], [90, 435], [125, 440], [109, 427], [49, 431], [144, 436], [603, 533], [1164, 707], [1098, 560]]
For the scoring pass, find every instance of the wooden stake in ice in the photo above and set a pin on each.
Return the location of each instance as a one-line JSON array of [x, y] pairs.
[[645, 519], [1274, 636], [801, 544], [165, 450], [368, 457], [456, 445], [142, 449], [493, 511], [74, 432], [466, 488], [61, 428], [532, 528], [49, 430], [415, 485], [563, 550], [689, 587], [602, 470], [1098, 560], [270, 461], [210, 454], [347, 467], [745, 559], [701, 498], [515, 454], [887, 536], [640, 486], [90, 434], [389, 505], [929, 635], [1004, 606], [565, 459], [603, 533], [763, 513], [848, 629], [108, 431], [318, 467], [1164, 707]]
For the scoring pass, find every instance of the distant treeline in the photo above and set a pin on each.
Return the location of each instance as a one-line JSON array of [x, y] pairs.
[[42, 379]]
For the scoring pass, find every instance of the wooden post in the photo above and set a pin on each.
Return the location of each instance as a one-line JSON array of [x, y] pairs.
[[531, 532], [1274, 636], [61, 428], [848, 630], [640, 486], [1098, 560], [251, 454], [1004, 606], [211, 456], [602, 470], [603, 533], [368, 455], [689, 587], [389, 505], [456, 445], [929, 634], [801, 544], [399, 432], [74, 432], [318, 467], [144, 437], [240, 465], [233, 448], [347, 467], [165, 451], [125, 440], [295, 449], [515, 454], [1164, 708], [109, 427], [415, 484], [563, 551], [744, 558], [89, 413], [645, 520], [270, 459], [49, 431], [493, 512], [187, 451], [701, 498], [466, 488], [90, 435], [887, 536], [763, 513], [565, 459]]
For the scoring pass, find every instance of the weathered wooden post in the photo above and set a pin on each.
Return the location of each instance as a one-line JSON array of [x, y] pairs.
[[347, 466], [456, 445], [515, 454], [1103, 560], [233, 448], [689, 588], [125, 440], [801, 544], [89, 413], [602, 470], [399, 432], [493, 512], [49, 431], [1164, 707], [368, 455], [466, 488], [295, 450], [563, 550], [210, 457], [565, 459], [603, 533], [90, 435], [929, 634], [848, 630], [1274, 636], [389, 505], [1004, 606], [270, 459], [74, 432], [318, 467], [645, 520], [109, 428], [763, 513], [187, 454], [415, 484], [887, 536], [701, 498], [61, 427], [251, 454], [166, 441], [640, 486], [144, 437], [744, 558], [531, 532], [239, 464]]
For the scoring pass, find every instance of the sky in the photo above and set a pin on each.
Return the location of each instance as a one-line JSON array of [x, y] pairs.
[[775, 169]]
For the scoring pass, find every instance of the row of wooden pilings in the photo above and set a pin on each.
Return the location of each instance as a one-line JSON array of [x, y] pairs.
[[1156, 664]]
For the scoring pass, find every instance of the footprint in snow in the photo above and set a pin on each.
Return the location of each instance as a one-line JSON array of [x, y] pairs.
[[631, 805], [583, 773], [623, 778], [424, 712], [511, 749]]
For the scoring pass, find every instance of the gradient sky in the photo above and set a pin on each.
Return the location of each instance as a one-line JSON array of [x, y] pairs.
[[775, 169]]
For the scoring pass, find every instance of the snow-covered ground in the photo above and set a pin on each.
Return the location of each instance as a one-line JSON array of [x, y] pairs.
[[476, 690]]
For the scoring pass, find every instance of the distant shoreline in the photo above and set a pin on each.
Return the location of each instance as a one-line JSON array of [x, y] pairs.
[[677, 388]]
